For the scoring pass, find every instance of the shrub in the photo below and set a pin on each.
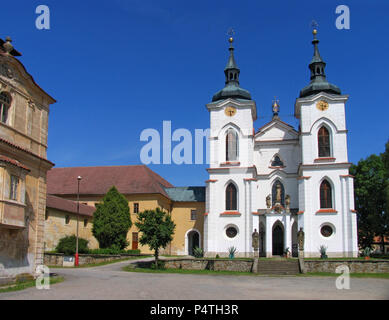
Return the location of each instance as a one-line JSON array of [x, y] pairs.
[[113, 251], [217, 256], [67, 245], [160, 265], [198, 252]]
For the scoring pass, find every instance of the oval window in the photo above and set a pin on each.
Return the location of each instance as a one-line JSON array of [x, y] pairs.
[[231, 232], [326, 231]]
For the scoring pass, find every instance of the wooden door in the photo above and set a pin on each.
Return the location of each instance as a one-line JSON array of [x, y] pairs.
[[134, 240]]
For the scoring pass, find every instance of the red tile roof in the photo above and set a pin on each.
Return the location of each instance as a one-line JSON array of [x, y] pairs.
[[135, 179], [68, 206], [24, 150], [14, 162]]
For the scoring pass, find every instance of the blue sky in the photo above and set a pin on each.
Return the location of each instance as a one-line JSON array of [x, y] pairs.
[[118, 67]]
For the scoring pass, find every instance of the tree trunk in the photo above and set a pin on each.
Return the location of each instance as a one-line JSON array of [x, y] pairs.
[[156, 257]]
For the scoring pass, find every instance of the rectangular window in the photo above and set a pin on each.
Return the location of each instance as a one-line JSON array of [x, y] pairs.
[[136, 207], [85, 223], [13, 195], [193, 214], [67, 219]]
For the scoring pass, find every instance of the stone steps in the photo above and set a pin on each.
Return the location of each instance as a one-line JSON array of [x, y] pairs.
[[286, 266]]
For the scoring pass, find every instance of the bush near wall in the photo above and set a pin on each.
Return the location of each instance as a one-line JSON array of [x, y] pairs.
[[67, 245], [113, 251]]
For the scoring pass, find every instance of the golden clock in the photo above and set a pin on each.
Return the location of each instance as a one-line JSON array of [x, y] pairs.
[[230, 111], [322, 105]]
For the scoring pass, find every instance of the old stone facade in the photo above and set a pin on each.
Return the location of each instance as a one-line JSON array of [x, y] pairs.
[[24, 110]]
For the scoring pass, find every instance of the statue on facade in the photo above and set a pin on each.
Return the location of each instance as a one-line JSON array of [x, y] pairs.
[[255, 239], [287, 201], [268, 201], [278, 193], [300, 239]]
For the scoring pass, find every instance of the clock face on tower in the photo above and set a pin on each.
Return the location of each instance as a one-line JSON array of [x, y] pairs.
[[322, 105], [230, 111]]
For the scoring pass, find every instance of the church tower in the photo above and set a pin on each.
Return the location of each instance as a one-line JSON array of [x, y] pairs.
[[227, 221], [325, 188]]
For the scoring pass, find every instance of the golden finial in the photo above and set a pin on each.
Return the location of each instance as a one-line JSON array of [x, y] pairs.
[[314, 32], [231, 33]]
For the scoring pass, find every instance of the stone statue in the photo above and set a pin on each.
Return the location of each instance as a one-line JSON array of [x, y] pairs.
[[278, 193], [268, 202], [255, 237], [287, 201], [300, 239]]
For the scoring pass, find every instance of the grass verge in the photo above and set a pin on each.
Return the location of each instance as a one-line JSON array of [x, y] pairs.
[[353, 275], [28, 284], [185, 271], [103, 263]]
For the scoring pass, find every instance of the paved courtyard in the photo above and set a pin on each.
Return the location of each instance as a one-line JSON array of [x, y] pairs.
[[109, 282]]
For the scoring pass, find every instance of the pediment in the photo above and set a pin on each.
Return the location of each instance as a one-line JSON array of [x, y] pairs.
[[276, 130]]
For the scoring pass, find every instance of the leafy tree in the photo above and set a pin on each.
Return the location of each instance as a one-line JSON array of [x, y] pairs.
[[371, 187], [112, 220], [157, 229], [67, 245]]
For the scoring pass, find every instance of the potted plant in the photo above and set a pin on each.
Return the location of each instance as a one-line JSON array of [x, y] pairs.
[[367, 253], [323, 252], [286, 252], [231, 251]]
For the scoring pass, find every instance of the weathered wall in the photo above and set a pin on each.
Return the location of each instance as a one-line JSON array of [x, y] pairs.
[[205, 264], [56, 259], [56, 228], [362, 266]]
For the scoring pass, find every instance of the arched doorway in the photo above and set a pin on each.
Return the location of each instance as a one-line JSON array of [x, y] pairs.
[[193, 241], [278, 240]]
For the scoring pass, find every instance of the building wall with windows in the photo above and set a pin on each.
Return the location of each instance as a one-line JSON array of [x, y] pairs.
[[285, 179], [24, 109]]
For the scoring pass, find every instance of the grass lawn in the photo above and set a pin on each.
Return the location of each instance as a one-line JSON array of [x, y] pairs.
[[90, 265], [27, 284], [185, 271], [236, 273], [353, 275]]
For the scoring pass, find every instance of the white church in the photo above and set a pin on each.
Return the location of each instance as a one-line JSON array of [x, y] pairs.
[[278, 180]]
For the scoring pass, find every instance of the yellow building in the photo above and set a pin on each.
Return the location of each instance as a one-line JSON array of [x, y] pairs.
[[24, 111], [143, 188], [61, 220]]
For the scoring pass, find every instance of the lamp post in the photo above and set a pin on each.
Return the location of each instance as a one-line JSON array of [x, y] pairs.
[[78, 212]]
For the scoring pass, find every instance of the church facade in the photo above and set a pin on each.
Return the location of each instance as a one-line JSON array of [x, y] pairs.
[[277, 181]]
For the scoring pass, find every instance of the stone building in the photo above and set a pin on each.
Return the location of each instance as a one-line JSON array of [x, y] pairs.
[[24, 111], [61, 220], [144, 190]]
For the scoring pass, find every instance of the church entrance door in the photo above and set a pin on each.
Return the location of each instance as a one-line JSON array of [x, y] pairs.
[[278, 241], [193, 241]]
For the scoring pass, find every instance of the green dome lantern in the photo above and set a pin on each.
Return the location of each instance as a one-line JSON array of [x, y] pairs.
[[232, 88]]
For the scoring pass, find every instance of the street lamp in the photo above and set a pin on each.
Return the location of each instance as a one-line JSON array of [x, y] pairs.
[[78, 212]]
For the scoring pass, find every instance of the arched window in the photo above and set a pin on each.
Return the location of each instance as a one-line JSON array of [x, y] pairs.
[[231, 197], [231, 145], [323, 138], [325, 195], [5, 102], [278, 193], [277, 162]]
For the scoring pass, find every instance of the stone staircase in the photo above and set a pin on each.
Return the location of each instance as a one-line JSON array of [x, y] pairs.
[[278, 266]]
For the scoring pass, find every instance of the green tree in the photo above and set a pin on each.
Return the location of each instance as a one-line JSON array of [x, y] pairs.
[[157, 230], [112, 220], [371, 198]]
